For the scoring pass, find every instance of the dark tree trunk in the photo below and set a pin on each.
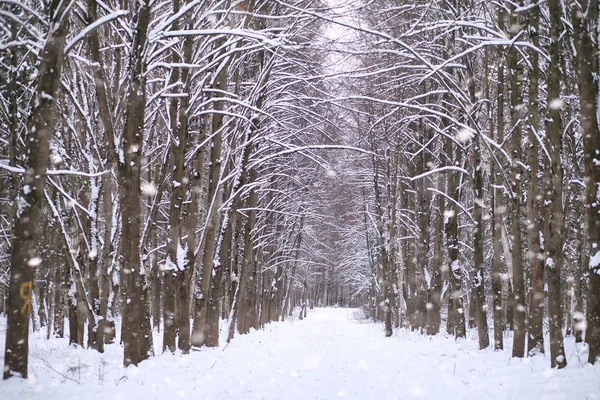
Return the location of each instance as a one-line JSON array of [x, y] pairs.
[[456, 312], [535, 342], [478, 299], [155, 282], [242, 307], [75, 334], [199, 335], [480, 302], [554, 195], [434, 304], [136, 333], [108, 248], [385, 280], [586, 31], [174, 242], [583, 261], [498, 208], [60, 291], [104, 325], [516, 79], [24, 256]]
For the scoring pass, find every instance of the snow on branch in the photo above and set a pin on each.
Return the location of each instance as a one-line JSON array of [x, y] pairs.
[[301, 149], [435, 171], [25, 7], [53, 172], [229, 32], [98, 23]]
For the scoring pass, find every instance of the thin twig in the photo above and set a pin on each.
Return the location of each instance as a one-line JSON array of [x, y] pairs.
[[47, 364]]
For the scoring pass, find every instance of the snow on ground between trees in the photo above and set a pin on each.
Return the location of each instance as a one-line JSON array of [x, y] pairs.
[[334, 353]]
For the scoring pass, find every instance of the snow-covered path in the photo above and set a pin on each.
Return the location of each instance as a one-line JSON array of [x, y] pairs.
[[329, 355]]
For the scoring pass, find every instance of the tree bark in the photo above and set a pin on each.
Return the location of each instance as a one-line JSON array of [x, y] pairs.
[[178, 149], [385, 280], [242, 309], [535, 342], [212, 227], [498, 208], [586, 31], [136, 338], [456, 312], [516, 104], [434, 304], [24, 256], [478, 234], [554, 194]]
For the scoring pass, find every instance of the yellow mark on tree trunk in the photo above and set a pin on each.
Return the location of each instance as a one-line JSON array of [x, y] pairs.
[[25, 293]]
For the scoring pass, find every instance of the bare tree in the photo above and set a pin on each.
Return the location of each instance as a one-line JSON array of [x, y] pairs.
[[24, 255]]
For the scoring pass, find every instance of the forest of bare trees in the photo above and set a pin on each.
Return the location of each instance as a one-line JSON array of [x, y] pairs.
[[483, 120], [166, 166]]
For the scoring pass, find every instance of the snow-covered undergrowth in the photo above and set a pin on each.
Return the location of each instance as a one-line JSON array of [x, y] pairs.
[[329, 355]]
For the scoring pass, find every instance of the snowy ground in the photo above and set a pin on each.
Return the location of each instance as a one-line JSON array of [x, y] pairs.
[[332, 354]]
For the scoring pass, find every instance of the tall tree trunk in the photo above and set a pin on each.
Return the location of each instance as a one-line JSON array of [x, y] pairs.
[[106, 257], [155, 282], [535, 341], [434, 304], [456, 312], [478, 306], [583, 261], [137, 340], [24, 256], [385, 280], [93, 272], [423, 219], [59, 300], [242, 307], [498, 208], [184, 287], [516, 103], [289, 292], [178, 149], [212, 226], [585, 24], [478, 234], [554, 194], [104, 325]]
